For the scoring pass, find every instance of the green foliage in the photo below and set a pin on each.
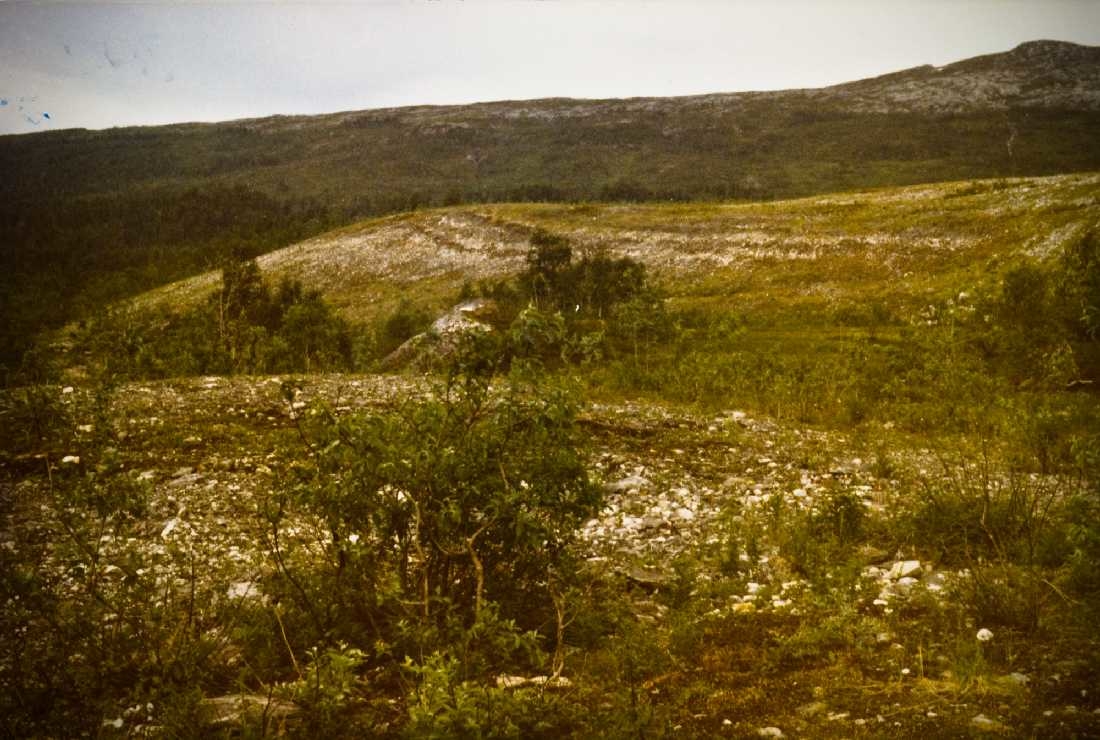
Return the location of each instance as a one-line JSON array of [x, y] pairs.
[[405, 322], [96, 627], [328, 691], [243, 328], [67, 257], [587, 288], [1081, 265], [975, 509], [444, 705], [469, 498]]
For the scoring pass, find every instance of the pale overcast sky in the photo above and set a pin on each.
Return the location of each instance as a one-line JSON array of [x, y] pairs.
[[98, 65]]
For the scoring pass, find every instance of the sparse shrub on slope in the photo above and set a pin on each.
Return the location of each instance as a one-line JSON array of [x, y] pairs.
[[586, 288], [1081, 265], [244, 327]]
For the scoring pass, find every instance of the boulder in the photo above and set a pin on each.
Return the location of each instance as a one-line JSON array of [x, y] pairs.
[[632, 482], [235, 711], [905, 569]]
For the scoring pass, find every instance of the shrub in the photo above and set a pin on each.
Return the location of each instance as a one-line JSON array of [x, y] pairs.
[[468, 497], [241, 328]]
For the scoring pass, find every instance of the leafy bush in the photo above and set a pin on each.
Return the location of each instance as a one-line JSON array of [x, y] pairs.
[[405, 322], [588, 288], [244, 327], [482, 511]]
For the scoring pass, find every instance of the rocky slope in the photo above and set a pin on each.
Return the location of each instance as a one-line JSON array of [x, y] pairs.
[[211, 453]]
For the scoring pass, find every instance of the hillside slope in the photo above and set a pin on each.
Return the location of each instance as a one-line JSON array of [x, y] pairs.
[[92, 216], [904, 242]]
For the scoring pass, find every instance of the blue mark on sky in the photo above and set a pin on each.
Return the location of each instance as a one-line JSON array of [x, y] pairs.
[[33, 118]]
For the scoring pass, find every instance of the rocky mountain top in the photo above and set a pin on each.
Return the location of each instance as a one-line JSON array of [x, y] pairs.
[[1046, 74], [1037, 74]]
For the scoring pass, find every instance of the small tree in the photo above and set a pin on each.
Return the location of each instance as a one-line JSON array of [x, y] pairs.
[[241, 304], [589, 287], [1081, 267], [548, 262]]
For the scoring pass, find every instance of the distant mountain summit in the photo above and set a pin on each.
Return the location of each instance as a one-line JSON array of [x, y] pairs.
[[1036, 74]]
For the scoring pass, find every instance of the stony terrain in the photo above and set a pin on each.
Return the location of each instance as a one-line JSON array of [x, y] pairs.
[[212, 451]]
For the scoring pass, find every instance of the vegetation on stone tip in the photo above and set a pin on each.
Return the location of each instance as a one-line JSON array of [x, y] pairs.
[[244, 327], [840, 497]]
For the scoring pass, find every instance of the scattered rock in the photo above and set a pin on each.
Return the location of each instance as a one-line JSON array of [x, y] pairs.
[[985, 724], [650, 578], [518, 682], [234, 710], [905, 569], [626, 484], [244, 590], [769, 732], [871, 555], [812, 709]]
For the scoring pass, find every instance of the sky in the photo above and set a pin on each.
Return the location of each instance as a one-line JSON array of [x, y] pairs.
[[105, 64]]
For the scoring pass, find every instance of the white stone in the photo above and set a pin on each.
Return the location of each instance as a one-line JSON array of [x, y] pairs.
[[904, 568], [70, 460], [242, 590], [905, 584], [984, 723], [626, 484], [984, 635], [685, 513], [769, 732]]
